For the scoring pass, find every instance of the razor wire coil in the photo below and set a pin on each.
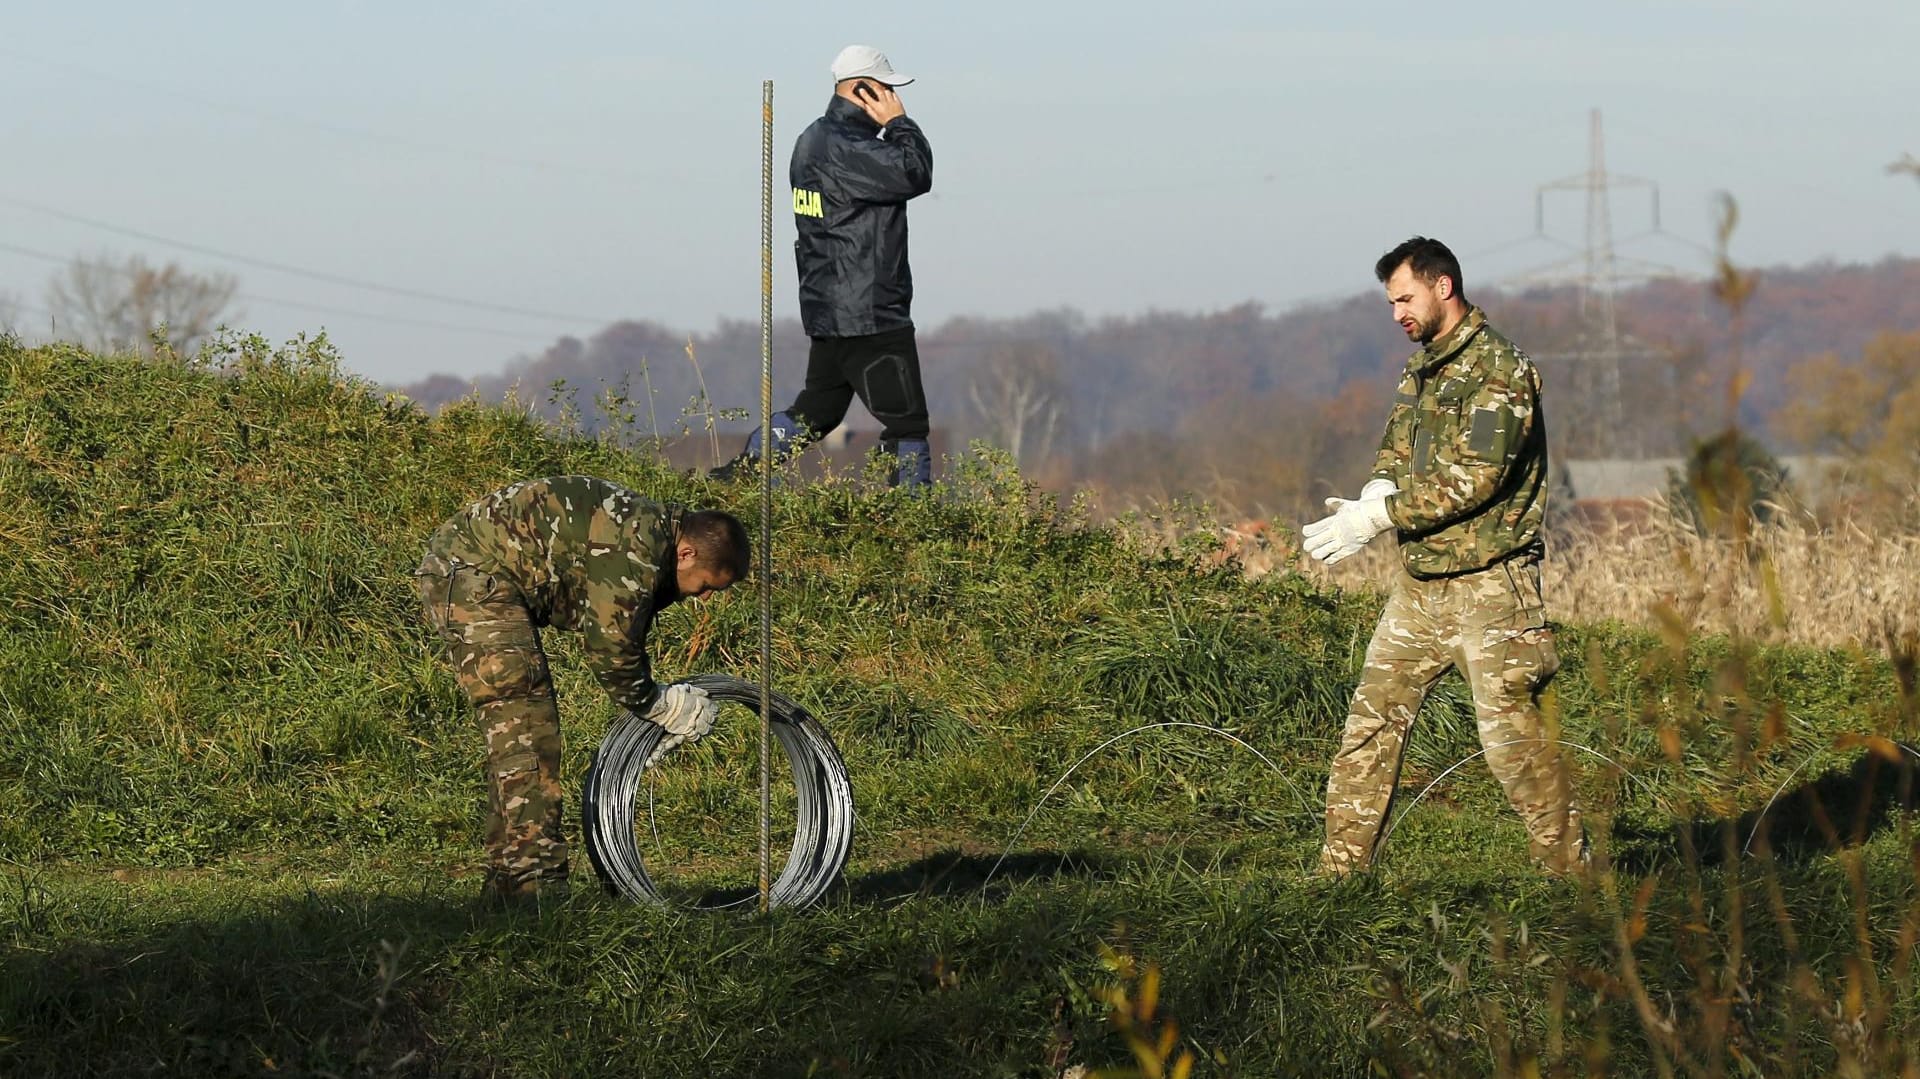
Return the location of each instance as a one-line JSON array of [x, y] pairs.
[[824, 816]]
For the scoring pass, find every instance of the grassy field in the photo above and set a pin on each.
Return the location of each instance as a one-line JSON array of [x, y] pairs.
[[245, 793]]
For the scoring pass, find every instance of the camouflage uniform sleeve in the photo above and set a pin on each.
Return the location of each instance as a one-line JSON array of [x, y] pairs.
[[627, 675], [1470, 461], [620, 587], [1390, 462]]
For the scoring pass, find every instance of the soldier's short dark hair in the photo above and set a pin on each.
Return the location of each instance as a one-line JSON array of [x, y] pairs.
[[719, 541], [1430, 260]]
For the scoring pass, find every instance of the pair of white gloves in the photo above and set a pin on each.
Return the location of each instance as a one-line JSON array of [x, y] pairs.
[[686, 712], [1352, 524]]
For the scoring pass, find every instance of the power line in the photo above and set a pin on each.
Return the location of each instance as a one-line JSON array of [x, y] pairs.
[[300, 271], [1760, 177], [31, 253], [397, 320], [1239, 175], [1508, 245], [325, 309], [1661, 232], [329, 127], [1595, 269]]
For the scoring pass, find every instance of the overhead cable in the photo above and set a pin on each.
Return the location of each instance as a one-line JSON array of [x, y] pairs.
[[339, 130], [300, 271], [325, 309]]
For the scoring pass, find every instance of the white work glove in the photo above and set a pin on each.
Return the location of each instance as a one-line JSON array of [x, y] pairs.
[[1377, 486], [686, 712], [1350, 527]]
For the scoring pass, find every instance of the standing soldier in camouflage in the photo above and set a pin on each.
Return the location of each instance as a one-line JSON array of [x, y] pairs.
[[1461, 477], [570, 552]]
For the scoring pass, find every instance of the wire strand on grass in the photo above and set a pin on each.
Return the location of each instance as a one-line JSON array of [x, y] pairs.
[[1097, 750], [1747, 847], [1483, 751], [1765, 809]]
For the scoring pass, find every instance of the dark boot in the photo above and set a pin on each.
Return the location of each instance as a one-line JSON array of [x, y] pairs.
[[786, 432], [912, 462]]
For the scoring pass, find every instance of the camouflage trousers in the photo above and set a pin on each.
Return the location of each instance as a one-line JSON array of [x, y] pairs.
[[1491, 625], [497, 659]]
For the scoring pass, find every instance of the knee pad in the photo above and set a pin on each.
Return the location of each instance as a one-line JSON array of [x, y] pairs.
[[888, 388]]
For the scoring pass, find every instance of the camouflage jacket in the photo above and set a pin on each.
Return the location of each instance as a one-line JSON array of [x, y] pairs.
[[1467, 446], [585, 555]]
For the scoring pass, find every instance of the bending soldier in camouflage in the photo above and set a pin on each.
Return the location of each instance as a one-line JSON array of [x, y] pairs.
[[569, 552], [1461, 477]]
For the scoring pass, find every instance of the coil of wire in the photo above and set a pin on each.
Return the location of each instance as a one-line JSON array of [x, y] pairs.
[[823, 830]]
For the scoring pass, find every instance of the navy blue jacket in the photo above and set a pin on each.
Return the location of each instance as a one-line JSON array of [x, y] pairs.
[[851, 183]]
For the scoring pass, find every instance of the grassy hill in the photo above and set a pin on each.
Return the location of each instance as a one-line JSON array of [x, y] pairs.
[[245, 797]]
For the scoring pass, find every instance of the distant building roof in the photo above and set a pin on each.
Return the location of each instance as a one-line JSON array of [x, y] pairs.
[[1620, 477]]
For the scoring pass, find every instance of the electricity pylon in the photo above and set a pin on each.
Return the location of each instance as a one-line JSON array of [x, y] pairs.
[[1596, 271]]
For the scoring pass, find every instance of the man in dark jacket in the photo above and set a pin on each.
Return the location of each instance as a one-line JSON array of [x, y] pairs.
[[853, 171]]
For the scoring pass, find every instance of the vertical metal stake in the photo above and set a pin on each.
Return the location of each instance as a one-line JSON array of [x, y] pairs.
[[766, 491]]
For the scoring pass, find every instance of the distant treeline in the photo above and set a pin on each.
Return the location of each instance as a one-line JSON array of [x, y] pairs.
[[1253, 406]]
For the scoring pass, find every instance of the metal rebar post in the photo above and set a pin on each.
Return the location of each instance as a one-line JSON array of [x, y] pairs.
[[766, 491]]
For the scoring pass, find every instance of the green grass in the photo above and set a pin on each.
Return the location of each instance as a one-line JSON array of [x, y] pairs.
[[245, 801]]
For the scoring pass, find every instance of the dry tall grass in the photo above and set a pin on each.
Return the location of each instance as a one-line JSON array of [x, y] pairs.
[[1837, 585], [1834, 585]]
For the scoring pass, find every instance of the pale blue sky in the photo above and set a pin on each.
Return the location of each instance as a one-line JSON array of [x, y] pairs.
[[601, 161]]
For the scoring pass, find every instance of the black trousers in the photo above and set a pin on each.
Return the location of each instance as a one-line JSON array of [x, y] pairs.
[[883, 369]]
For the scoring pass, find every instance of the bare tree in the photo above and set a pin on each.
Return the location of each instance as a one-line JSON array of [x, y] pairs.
[[9, 315], [1907, 164], [131, 307], [1016, 398]]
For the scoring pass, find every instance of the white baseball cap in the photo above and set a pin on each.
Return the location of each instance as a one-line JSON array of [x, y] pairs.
[[866, 62]]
